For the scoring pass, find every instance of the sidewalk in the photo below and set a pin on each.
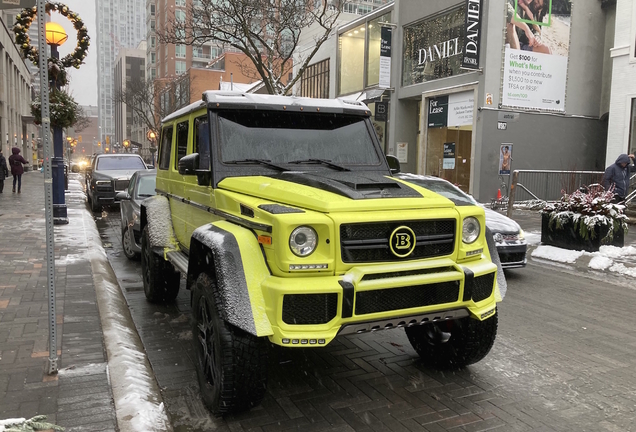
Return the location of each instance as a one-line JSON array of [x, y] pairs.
[[83, 396]]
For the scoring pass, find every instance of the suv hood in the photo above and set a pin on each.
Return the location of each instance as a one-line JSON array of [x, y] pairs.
[[327, 191]]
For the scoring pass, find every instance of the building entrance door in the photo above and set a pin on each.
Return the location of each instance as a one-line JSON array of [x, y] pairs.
[[449, 132], [448, 154]]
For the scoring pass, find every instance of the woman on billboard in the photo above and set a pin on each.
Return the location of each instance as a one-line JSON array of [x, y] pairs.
[[519, 34]]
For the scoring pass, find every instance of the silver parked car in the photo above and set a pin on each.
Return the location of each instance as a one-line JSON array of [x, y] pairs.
[[508, 235], [141, 186]]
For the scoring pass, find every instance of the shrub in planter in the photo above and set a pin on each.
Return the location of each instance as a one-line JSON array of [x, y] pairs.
[[584, 220]]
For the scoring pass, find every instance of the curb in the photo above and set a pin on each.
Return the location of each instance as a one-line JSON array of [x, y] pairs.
[[137, 397]]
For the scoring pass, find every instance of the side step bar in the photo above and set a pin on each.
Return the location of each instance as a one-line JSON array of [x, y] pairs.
[[179, 260]]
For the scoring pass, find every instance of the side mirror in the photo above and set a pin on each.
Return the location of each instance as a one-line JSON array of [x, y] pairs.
[[189, 164], [394, 164], [123, 195]]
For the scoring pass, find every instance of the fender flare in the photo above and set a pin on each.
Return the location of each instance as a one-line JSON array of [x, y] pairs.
[[502, 285], [234, 257], [155, 213]]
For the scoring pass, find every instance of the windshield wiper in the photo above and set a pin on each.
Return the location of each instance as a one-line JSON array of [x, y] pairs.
[[265, 162], [322, 162], [144, 195]]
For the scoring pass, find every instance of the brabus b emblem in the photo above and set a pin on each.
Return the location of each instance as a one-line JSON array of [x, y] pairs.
[[402, 241]]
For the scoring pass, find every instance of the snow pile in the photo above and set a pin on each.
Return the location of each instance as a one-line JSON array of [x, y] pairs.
[[556, 254], [10, 422], [600, 262]]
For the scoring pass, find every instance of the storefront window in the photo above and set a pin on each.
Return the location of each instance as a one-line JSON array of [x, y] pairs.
[[432, 48], [351, 52], [373, 62]]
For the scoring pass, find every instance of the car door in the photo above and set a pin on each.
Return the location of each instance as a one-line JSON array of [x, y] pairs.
[[194, 192], [126, 205]]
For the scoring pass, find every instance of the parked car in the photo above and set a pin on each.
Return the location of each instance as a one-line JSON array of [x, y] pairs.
[[508, 235], [109, 174], [142, 186]]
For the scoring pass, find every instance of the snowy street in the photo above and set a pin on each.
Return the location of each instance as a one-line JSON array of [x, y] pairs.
[[556, 366]]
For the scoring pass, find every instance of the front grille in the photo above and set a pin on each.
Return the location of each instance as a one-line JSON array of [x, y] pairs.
[[369, 242], [121, 185], [407, 297], [482, 286], [512, 257], [309, 308]]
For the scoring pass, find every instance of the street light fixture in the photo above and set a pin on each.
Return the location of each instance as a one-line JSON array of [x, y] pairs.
[[55, 37]]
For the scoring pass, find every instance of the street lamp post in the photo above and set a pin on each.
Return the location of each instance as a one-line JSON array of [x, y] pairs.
[[152, 137], [55, 37]]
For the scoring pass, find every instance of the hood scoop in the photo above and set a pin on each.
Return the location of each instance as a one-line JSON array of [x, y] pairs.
[[363, 185]]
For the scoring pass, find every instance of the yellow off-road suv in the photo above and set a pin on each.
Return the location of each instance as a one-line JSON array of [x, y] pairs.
[[284, 218]]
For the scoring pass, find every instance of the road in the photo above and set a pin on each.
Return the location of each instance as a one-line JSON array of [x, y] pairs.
[[563, 361]]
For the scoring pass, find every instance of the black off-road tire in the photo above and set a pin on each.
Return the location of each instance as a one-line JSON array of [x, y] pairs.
[[470, 341], [128, 236], [231, 364], [161, 280]]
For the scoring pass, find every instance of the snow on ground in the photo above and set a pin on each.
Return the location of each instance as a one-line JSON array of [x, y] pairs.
[[11, 421], [532, 238], [608, 258], [556, 254]]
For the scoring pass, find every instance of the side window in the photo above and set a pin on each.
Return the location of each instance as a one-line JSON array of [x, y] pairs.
[[166, 148], [131, 185], [182, 142], [202, 141]]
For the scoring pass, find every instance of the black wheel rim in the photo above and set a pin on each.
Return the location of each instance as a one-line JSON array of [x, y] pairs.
[[208, 349]]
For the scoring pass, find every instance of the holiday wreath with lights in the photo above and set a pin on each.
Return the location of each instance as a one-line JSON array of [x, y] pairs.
[[56, 66]]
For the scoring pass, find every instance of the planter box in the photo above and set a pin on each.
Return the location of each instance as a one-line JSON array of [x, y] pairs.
[[567, 237]]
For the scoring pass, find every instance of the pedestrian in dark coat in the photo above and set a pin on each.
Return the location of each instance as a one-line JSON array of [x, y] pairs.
[[15, 161], [4, 171], [617, 175]]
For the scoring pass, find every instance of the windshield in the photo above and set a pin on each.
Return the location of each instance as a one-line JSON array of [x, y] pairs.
[[445, 189], [146, 186], [120, 163], [282, 137]]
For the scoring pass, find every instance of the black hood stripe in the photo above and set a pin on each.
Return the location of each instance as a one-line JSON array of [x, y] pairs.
[[353, 185]]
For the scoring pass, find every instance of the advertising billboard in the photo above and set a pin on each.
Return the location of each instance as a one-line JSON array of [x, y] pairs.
[[536, 54]]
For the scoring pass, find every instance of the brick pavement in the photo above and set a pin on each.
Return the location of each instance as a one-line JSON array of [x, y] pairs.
[[79, 397]]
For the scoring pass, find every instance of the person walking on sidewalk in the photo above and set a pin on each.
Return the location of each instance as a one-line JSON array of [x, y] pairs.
[[4, 171], [617, 175], [16, 160]]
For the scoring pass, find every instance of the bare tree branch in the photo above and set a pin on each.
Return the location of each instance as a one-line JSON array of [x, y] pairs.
[[266, 31]]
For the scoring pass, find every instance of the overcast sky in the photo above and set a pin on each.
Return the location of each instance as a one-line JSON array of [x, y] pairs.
[[83, 80]]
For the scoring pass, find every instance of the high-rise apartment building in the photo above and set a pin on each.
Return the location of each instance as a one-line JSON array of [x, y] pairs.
[[120, 24], [130, 69], [170, 60]]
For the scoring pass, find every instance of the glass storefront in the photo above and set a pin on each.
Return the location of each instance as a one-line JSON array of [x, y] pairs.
[[433, 47], [354, 75], [449, 130]]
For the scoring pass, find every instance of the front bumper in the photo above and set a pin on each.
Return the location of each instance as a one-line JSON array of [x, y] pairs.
[[512, 255], [312, 311]]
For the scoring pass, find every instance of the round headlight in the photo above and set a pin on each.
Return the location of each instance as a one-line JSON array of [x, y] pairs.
[[470, 230], [303, 241]]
